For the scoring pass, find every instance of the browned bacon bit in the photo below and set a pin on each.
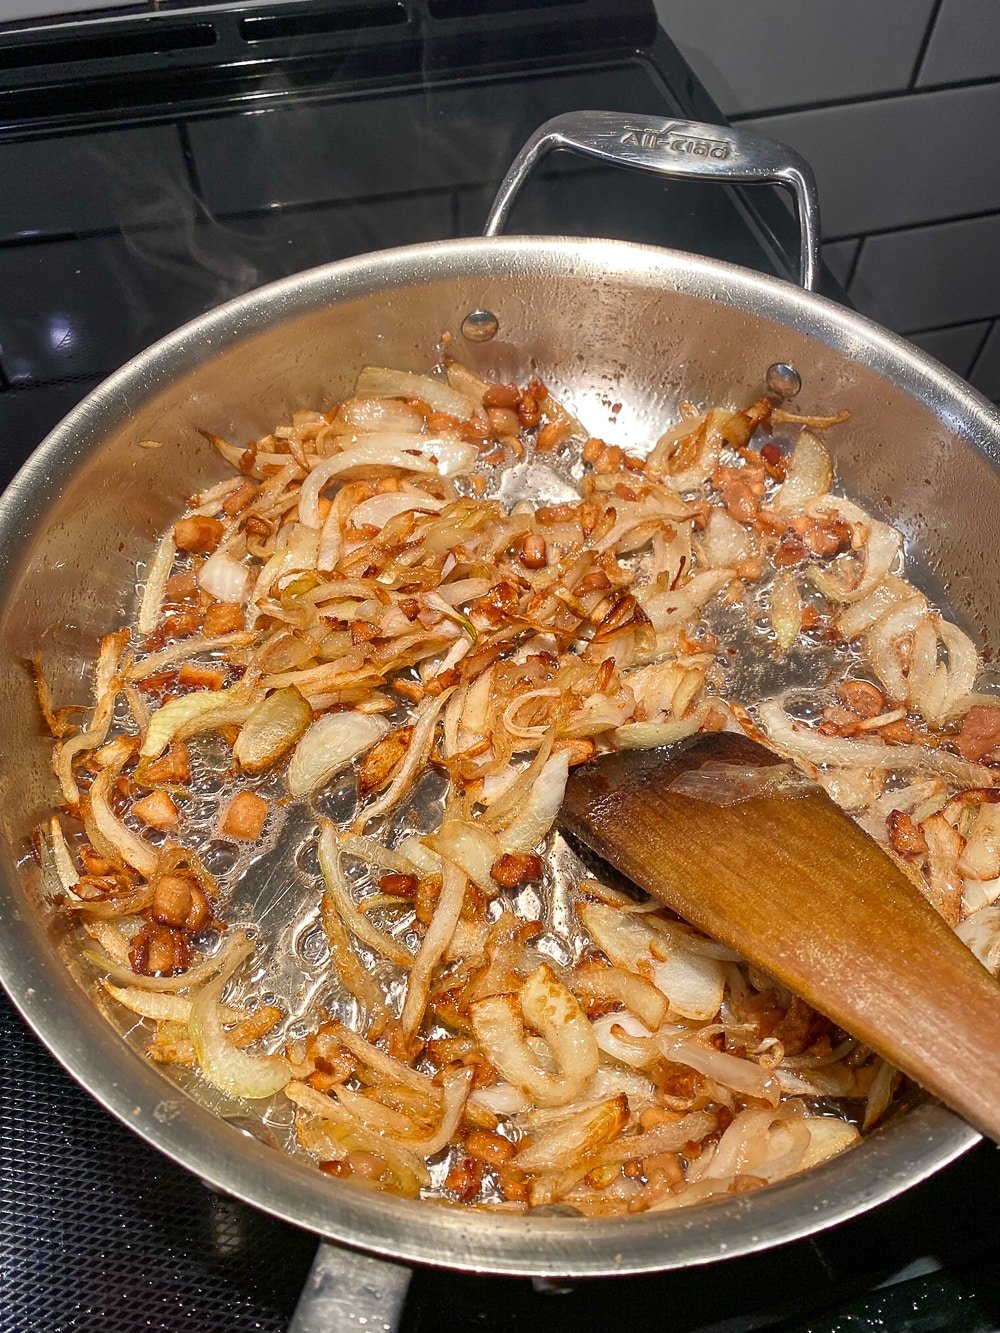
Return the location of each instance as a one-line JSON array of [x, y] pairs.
[[193, 676], [174, 767], [561, 513], [826, 539], [534, 551], [552, 435], [363, 631], [515, 868], [737, 429], [489, 1147], [771, 454], [159, 951], [223, 618], [739, 500], [502, 395], [528, 411], [428, 892], [537, 389], [979, 733], [198, 533], [897, 733], [906, 837], [244, 817], [179, 901], [257, 526], [382, 760], [236, 501], [861, 697], [181, 587], [790, 550], [398, 885], [465, 1178], [504, 422], [157, 810]]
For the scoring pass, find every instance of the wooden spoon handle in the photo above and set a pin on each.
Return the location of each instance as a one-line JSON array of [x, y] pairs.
[[795, 886]]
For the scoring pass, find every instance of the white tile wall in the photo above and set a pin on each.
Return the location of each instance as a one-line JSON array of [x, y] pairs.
[[986, 373], [756, 54], [957, 347], [965, 43], [900, 161], [897, 106]]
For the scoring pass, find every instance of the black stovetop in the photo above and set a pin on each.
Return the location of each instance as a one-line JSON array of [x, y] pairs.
[[154, 166]]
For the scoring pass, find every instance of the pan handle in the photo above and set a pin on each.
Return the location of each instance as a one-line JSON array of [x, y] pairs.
[[346, 1290], [686, 149]]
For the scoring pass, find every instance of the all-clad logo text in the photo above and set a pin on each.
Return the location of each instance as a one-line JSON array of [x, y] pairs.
[[676, 140]]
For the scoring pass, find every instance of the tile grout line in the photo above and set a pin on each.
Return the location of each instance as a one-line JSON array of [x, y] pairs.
[[978, 355], [926, 224], [853, 267], [925, 45], [834, 104]]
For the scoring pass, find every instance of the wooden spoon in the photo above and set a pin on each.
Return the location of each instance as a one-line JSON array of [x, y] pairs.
[[790, 882]]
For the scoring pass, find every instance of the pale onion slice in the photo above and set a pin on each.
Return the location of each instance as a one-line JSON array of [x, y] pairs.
[[438, 456], [331, 743], [730, 1071], [223, 1065], [339, 891], [980, 857], [541, 807], [501, 1099], [468, 845], [419, 855], [648, 735], [409, 1170], [127, 846], [156, 583], [225, 578], [859, 616], [202, 971], [107, 684], [557, 1146], [455, 1085], [693, 983], [724, 542], [378, 414], [384, 1067], [377, 511], [615, 984], [503, 792], [373, 853], [731, 784], [381, 382], [884, 644], [151, 1004], [193, 713], [981, 933], [432, 947], [421, 742], [809, 475], [848, 579], [674, 606], [612, 1033], [62, 856], [555, 1014], [786, 609], [183, 651], [802, 743], [273, 727]]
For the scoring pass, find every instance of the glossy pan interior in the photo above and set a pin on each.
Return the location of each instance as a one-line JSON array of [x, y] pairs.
[[603, 322]]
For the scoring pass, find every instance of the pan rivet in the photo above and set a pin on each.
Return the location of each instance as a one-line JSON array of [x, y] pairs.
[[480, 326], [784, 381]]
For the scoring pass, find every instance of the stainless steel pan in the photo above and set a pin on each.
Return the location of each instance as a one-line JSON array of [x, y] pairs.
[[603, 322]]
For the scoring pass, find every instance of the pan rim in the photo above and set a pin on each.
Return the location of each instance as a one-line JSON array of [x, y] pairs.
[[874, 1172]]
